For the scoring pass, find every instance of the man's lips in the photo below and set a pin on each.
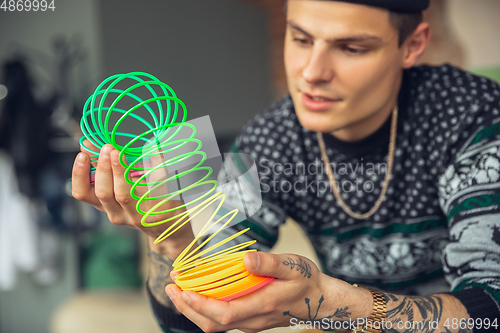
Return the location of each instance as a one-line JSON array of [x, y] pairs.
[[317, 97], [317, 102]]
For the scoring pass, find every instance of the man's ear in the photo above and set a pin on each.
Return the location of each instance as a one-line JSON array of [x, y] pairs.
[[415, 45]]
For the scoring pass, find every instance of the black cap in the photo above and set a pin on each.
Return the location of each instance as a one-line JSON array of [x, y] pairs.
[[399, 6]]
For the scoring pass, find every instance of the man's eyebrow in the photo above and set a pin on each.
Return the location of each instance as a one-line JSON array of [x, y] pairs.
[[296, 27], [356, 38]]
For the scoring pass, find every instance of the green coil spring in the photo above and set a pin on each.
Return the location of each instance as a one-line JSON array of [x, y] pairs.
[[161, 136]]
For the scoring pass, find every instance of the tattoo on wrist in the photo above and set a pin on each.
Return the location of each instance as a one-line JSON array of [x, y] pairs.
[[161, 259], [159, 277], [299, 265], [339, 313], [428, 309]]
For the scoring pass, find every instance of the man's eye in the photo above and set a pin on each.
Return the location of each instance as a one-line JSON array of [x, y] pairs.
[[301, 41], [353, 50]]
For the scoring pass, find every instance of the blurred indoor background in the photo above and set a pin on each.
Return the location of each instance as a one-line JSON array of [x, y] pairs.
[[63, 267]]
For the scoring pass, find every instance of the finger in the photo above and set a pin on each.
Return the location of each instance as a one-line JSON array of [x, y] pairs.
[[104, 189], [173, 275], [86, 148], [237, 313], [206, 324], [81, 188], [283, 266], [121, 186]]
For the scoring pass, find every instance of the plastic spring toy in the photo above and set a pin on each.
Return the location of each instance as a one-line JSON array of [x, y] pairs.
[[221, 274]]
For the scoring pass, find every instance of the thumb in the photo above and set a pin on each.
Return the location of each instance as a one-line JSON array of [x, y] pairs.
[[278, 266]]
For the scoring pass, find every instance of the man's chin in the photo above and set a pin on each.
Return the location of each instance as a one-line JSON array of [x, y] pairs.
[[316, 124], [315, 127]]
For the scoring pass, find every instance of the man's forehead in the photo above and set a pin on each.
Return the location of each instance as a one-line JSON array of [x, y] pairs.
[[333, 21]]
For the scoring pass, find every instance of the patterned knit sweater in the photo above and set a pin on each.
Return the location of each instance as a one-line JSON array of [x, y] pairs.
[[438, 227]]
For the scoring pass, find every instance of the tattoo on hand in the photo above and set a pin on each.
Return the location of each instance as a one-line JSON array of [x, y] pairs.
[[339, 313], [301, 265]]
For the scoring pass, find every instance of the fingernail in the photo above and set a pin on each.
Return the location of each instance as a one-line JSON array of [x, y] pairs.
[[80, 159], [186, 298], [254, 260], [115, 160], [170, 294], [106, 150]]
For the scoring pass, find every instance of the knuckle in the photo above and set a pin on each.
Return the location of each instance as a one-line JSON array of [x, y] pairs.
[[137, 225], [102, 195], [103, 167], [269, 306], [77, 195], [178, 306], [115, 220], [196, 306], [227, 318], [209, 328], [124, 199], [275, 263]]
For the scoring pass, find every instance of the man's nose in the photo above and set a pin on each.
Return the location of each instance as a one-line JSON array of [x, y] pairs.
[[319, 68]]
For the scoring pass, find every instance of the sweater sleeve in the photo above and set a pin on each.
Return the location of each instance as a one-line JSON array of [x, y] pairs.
[[469, 194], [168, 320]]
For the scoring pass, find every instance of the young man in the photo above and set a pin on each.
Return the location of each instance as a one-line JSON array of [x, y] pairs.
[[413, 161]]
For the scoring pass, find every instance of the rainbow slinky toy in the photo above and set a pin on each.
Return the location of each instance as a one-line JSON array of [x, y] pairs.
[[220, 275]]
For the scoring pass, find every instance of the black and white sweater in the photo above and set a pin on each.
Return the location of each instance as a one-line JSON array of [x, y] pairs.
[[438, 227]]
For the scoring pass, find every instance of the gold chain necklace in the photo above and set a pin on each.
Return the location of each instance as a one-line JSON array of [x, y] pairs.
[[390, 160]]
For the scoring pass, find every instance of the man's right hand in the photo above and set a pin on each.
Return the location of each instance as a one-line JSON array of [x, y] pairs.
[[110, 193]]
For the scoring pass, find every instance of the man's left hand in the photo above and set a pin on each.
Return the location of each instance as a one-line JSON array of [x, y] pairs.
[[298, 291]]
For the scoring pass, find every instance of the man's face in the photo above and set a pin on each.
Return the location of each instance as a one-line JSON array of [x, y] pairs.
[[343, 66]]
